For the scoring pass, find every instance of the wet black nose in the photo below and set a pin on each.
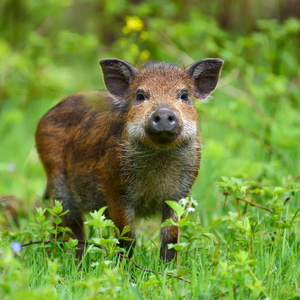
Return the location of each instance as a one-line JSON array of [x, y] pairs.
[[163, 119]]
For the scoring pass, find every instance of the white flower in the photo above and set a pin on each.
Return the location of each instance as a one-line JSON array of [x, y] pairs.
[[183, 201], [194, 202], [189, 209]]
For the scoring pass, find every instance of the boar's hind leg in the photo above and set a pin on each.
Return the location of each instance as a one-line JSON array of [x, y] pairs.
[[168, 234], [73, 219]]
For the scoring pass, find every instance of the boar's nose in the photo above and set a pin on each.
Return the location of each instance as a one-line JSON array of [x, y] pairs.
[[163, 120]]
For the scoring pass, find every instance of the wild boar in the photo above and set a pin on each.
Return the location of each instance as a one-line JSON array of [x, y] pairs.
[[130, 148]]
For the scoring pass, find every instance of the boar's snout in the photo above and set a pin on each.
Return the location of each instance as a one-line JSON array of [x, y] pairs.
[[163, 120], [163, 126]]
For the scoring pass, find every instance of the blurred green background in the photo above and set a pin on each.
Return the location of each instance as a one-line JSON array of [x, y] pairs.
[[251, 127]]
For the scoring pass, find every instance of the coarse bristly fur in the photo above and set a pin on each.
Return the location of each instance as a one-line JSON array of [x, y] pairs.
[[130, 148]]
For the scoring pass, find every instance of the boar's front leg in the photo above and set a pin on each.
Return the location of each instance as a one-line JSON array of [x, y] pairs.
[[168, 234], [121, 215]]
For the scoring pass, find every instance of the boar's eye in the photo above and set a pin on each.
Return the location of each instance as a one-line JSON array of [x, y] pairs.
[[140, 96], [184, 96]]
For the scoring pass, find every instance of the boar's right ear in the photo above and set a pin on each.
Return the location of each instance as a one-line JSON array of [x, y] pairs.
[[205, 74], [118, 75]]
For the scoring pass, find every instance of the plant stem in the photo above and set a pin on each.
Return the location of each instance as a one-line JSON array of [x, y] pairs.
[[254, 204], [44, 246], [238, 207], [55, 239], [121, 269], [178, 241]]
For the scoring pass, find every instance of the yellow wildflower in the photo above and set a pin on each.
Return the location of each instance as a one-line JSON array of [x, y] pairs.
[[133, 23]]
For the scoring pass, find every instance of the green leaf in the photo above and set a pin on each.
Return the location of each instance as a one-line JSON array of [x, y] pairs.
[[125, 238], [169, 222], [99, 219], [58, 207], [256, 191], [41, 219], [125, 230], [183, 271], [51, 211], [40, 211], [185, 222], [57, 221], [177, 207], [110, 240], [268, 190], [211, 236], [95, 240], [236, 223], [99, 223], [71, 243], [242, 256], [63, 213], [279, 190], [109, 223], [178, 247], [247, 224], [214, 223], [152, 281], [98, 215]]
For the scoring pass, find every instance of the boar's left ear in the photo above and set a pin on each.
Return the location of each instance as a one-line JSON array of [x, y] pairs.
[[118, 75], [205, 74]]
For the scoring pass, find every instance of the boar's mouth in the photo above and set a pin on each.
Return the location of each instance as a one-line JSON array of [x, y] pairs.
[[163, 137]]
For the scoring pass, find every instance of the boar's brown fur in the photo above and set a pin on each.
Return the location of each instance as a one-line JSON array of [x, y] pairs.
[[130, 148]]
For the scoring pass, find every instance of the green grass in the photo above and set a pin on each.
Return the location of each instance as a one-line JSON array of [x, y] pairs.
[[254, 257]]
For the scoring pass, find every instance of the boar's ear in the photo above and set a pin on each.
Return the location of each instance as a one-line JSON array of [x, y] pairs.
[[118, 75], [205, 74]]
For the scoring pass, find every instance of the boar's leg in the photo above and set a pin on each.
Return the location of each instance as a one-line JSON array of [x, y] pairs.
[[74, 221], [168, 234], [122, 216], [57, 190]]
